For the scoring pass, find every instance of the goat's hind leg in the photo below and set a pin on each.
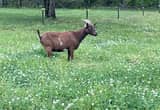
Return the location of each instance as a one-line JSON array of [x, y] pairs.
[[49, 51], [68, 55]]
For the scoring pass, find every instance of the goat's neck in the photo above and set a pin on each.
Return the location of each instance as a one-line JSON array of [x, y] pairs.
[[81, 34]]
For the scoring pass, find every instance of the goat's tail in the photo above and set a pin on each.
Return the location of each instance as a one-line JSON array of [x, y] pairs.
[[38, 32]]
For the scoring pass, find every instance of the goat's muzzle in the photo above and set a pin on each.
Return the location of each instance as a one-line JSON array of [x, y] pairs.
[[95, 34]]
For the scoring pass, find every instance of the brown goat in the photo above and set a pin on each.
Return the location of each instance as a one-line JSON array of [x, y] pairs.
[[58, 41]]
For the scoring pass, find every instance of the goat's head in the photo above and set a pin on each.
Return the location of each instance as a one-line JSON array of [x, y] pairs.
[[90, 28]]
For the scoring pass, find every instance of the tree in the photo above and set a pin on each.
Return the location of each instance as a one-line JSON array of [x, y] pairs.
[[50, 8], [19, 3], [4, 3]]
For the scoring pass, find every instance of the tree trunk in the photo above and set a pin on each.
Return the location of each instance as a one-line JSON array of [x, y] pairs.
[[19, 3], [4, 3], [50, 8], [51, 12], [46, 6]]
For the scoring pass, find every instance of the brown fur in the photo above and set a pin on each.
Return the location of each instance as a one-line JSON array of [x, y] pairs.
[[58, 41]]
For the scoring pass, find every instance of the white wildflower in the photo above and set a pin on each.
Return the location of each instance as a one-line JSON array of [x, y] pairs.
[[68, 106]]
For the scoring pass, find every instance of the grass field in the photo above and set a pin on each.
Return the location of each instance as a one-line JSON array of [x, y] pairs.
[[117, 70]]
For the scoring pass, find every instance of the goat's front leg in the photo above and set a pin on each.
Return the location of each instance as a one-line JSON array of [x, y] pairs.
[[70, 54]]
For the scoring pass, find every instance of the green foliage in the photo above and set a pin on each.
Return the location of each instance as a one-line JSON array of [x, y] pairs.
[[69, 3], [81, 3], [117, 70]]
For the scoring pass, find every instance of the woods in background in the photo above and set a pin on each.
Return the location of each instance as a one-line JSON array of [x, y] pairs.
[[80, 3]]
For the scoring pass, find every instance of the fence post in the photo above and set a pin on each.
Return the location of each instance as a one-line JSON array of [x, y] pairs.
[[159, 6], [43, 16], [118, 14], [143, 10], [86, 13], [87, 3]]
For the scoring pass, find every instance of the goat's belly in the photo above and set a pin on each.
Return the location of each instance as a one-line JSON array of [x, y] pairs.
[[58, 50]]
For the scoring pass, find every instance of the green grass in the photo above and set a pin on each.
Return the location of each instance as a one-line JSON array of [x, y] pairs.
[[117, 70]]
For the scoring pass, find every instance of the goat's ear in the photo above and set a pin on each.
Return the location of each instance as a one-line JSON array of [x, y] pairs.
[[87, 25]]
